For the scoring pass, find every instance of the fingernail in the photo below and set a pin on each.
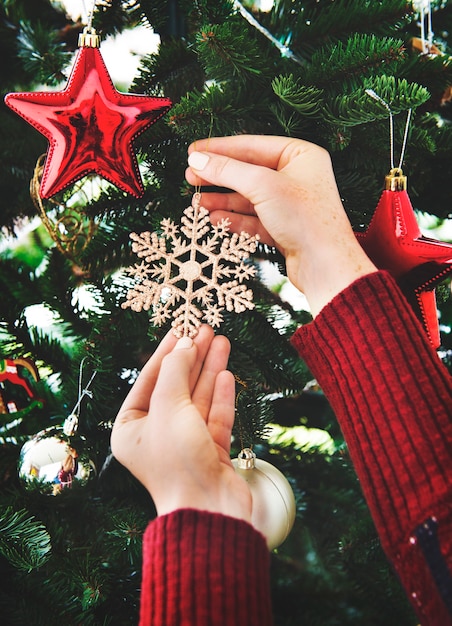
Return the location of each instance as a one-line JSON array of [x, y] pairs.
[[184, 343], [198, 160]]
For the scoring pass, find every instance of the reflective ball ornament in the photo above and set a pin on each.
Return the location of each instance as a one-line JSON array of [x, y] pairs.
[[52, 462], [273, 512]]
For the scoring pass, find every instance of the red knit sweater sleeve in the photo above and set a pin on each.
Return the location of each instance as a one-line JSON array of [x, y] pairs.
[[204, 569], [393, 399]]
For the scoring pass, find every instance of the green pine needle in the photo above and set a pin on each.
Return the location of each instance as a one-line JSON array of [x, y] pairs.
[[24, 541]]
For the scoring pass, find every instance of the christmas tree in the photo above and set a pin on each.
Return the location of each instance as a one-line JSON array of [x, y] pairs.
[[321, 70]]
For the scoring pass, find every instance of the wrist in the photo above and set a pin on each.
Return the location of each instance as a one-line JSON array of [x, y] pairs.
[[233, 500], [325, 276]]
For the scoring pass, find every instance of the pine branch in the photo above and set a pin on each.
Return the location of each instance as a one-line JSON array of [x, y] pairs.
[[311, 23], [127, 534], [205, 12], [173, 72], [354, 109], [346, 63], [304, 99], [111, 17], [433, 72], [211, 113], [24, 542], [42, 53], [228, 51], [253, 414]]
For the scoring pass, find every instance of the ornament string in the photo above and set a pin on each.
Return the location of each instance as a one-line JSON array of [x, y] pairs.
[[71, 422], [375, 96], [85, 391], [89, 20]]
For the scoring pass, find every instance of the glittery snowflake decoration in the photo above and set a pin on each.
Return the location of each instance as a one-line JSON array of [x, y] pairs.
[[191, 273]]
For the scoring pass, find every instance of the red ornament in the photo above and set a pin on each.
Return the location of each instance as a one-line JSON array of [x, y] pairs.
[[90, 125], [16, 393], [393, 241]]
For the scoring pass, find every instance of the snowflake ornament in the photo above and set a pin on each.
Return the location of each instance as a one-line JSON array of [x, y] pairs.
[[191, 273]]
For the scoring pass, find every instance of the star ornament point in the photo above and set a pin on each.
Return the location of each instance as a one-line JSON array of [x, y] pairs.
[[394, 242], [90, 126]]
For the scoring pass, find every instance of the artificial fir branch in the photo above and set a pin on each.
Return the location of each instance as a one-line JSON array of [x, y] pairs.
[[42, 54], [174, 71], [312, 23], [304, 99], [352, 110], [205, 12], [24, 541], [361, 55], [225, 50]]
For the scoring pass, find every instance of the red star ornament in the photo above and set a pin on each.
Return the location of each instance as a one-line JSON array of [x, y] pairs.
[[394, 242], [90, 125]]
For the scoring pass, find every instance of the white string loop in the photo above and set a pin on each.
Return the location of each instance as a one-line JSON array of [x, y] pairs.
[[85, 391], [375, 96]]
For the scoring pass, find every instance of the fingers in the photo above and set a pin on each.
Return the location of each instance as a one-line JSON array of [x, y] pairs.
[[222, 411], [202, 342], [216, 361], [267, 151], [244, 162], [173, 388], [200, 362], [237, 209], [190, 370], [139, 395], [225, 171], [226, 201]]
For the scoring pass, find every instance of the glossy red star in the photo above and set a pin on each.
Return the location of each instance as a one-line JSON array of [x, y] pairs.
[[90, 126], [394, 242]]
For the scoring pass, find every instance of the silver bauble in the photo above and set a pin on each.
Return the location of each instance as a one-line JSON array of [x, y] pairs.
[[52, 462]]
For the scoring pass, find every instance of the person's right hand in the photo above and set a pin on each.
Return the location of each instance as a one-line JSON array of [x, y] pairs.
[[284, 190]]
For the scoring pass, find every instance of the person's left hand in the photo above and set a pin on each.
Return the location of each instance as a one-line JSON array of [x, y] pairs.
[[173, 431]]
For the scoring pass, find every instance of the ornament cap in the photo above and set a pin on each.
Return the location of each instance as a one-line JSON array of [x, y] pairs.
[[89, 38], [70, 425], [395, 180], [246, 459]]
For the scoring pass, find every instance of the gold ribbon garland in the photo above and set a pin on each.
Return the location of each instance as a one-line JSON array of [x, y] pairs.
[[70, 228]]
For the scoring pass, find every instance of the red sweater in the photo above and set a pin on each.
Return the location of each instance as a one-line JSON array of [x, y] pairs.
[[393, 399]]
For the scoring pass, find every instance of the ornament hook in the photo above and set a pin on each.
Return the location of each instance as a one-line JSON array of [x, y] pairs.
[[375, 96]]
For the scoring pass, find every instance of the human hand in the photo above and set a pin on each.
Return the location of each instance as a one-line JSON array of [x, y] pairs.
[[284, 190], [173, 431]]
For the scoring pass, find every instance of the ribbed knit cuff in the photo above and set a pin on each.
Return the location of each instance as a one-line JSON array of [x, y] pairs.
[[202, 568], [392, 397]]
